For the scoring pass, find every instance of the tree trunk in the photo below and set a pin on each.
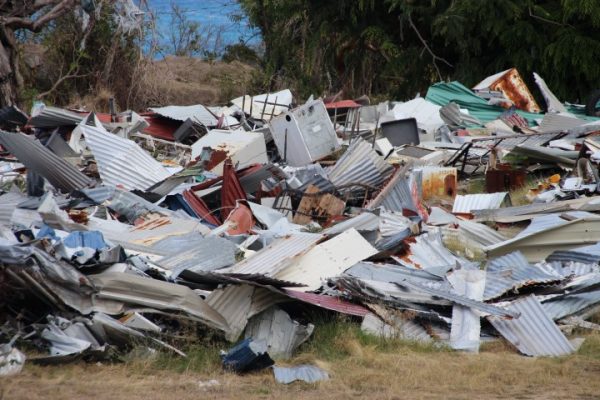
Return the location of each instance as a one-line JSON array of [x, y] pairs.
[[10, 77]]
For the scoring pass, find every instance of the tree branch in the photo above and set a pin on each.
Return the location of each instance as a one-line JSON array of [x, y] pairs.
[[35, 25], [426, 47], [58, 82]]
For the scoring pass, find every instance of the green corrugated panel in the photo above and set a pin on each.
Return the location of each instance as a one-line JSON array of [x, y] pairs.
[[443, 93]]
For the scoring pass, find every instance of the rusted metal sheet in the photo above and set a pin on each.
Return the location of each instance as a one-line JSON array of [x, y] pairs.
[[513, 87], [328, 302], [231, 191], [438, 181], [200, 208], [504, 178]]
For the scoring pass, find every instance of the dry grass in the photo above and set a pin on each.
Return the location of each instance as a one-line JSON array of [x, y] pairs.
[[360, 366]]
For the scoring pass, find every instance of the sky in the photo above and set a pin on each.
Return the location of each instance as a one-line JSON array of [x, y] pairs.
[[206, 12]]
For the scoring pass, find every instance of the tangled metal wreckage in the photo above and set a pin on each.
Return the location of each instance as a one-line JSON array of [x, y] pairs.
[[119, 229]]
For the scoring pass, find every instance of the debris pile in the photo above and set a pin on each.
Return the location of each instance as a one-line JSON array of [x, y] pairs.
[[241, 221]]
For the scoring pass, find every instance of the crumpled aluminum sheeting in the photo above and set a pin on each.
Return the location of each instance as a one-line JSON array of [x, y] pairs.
[[306, 373], [397, 194], [429, 253], [457, 299], [121, 161], [140, 291], [397, 328], [463, 204], [282, 334], [276, 255], [237, 303], [533, 332], [513, 271], [389, 273], [558, 307], [587, 254], [466, 325], [8, 203], [36, 157], [11, 360], [364, 222], [360, 164], [209, 254]]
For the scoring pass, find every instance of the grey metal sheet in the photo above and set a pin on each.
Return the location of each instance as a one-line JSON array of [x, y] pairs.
[[513, 271], [586, 254], [394, 327], [8, 203], [558, 123], [276, 255], [389, 273], [57, 171], [365, 221], [397, 194], [121, 161], [562, 306], [208, 254], [238, 303], [429, 253], [360, 164], [50, 117], [305, 373], [282, 334], [533, 332], [197, 113], [463, 204]]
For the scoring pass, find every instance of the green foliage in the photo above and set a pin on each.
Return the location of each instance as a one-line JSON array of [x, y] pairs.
[[400, 47], [240, 52]]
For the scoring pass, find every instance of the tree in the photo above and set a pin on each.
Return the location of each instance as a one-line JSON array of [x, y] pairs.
[[30, 15], [396, 48]]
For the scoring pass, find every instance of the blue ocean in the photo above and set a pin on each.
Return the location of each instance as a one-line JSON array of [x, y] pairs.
[[214, 13]]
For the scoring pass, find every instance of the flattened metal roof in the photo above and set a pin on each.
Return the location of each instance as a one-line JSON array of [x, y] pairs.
[[513, 271], [360, 164], [197, 113], [328, 302], [463, 204], [36, 157], [276, 255], [121, 161], [533, 332]]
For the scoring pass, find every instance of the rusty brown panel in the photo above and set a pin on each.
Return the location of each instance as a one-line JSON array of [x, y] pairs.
[[515, 89], [503, 179]]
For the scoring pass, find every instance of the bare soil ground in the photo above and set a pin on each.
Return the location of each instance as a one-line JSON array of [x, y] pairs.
[[358, 370]]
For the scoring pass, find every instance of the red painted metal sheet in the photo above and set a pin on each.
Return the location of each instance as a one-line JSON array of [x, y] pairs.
[[342, 104], [161, 128], [328, 302], [240, 220], [200, 208], [231, 191]]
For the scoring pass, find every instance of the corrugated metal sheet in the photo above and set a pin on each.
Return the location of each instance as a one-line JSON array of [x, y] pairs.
[[328, 302], [282, 334], [513, 271], [231, 191], [36, 157], [360, 164], [586, 254], [236, 303], [428, 252], [393, 223], [552, 103], [366, 221], [121, 161], [437, 181], [548, 235], [470, 238], [513, 87], [397, 194], [398, 328], [465, 330], [562, 306], [463, 204], [8, 204], [277, 255], [523, 213], [209, 254], [327, 260], [305, 373], [50, 117], [457, 299], [552, 123], [533, 332], [390, 273], [197, 113]]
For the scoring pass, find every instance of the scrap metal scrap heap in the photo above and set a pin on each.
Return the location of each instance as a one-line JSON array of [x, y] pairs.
[[241, 221]]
